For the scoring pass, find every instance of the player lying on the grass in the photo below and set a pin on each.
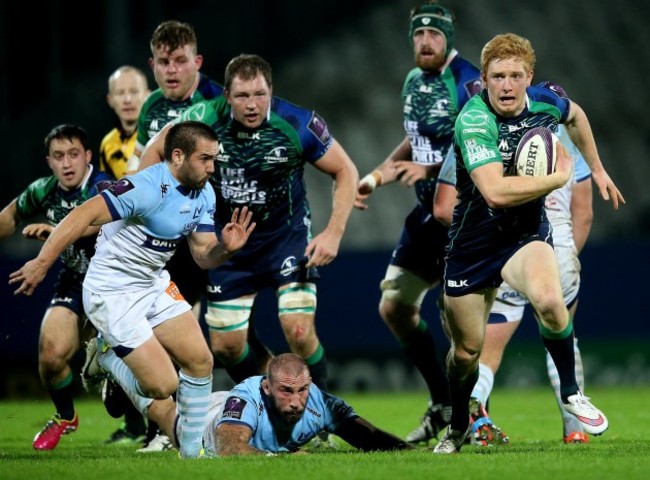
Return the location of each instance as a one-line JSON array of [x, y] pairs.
[[276, 413]]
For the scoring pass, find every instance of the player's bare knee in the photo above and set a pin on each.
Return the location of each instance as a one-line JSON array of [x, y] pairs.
[[228, 353], [402, 293], [162, 389], [297, 308], [228, 324], [52, 361], [202, 364]]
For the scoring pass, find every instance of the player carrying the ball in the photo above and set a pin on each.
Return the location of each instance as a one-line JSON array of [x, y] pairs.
[[500, 231]]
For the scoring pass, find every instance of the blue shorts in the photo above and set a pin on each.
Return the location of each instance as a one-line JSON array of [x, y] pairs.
[[469, 272], [421, 246], [264, 262], [67, 292]]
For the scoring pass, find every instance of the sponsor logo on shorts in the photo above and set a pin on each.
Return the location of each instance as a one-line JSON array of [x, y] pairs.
[[457, 283], [59, 300], [289, 266], [234, 408], [173, 291]]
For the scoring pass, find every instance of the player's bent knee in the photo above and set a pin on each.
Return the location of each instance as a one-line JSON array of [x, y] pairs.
[[162, 390], [403, 287]]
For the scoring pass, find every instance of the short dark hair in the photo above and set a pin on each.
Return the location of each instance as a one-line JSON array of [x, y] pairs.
[[67, 131], [184, 136], [173, 34], [247, 66]]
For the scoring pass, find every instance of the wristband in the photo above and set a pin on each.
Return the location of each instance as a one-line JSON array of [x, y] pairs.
[[373, 180]]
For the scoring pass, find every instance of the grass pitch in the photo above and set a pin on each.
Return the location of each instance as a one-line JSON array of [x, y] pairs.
[[529, 416]]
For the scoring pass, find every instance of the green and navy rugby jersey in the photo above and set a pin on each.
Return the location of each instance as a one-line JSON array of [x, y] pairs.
[[264, 167], [45, 197], [431, 104], [481, 137], [157, 111]]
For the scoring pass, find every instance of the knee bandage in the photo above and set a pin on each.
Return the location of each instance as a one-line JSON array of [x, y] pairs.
[[402, 286], [297, 298], [229, 315]]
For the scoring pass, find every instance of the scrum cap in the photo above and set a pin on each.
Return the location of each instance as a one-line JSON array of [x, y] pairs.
[[435, 17]]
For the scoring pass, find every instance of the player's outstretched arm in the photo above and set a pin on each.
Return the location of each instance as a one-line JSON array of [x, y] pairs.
[[232, 439], [383, 174], [579, 130], [93, 212], [363, 435]]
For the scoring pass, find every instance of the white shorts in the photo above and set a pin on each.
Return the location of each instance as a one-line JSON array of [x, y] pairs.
[[217, 400], [127, 319], [509, 304]]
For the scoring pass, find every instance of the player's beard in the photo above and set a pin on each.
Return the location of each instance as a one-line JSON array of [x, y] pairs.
[[429, 64], [289, 416]]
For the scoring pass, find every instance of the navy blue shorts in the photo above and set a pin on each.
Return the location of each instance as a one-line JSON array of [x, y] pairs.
[[421, 246], [68, 292], [264, 262], [469, 272]]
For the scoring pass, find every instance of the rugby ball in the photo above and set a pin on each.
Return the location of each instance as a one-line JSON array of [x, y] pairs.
[[536, 154]]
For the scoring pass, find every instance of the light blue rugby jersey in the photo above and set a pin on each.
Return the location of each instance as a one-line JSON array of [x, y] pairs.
[[152, 211], [247, 404]]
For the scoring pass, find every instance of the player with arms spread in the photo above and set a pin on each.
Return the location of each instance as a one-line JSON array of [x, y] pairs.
[[127, 293], [283, 411], [500, 231]]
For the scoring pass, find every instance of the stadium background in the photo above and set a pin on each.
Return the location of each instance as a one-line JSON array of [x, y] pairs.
[[348, 60]]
